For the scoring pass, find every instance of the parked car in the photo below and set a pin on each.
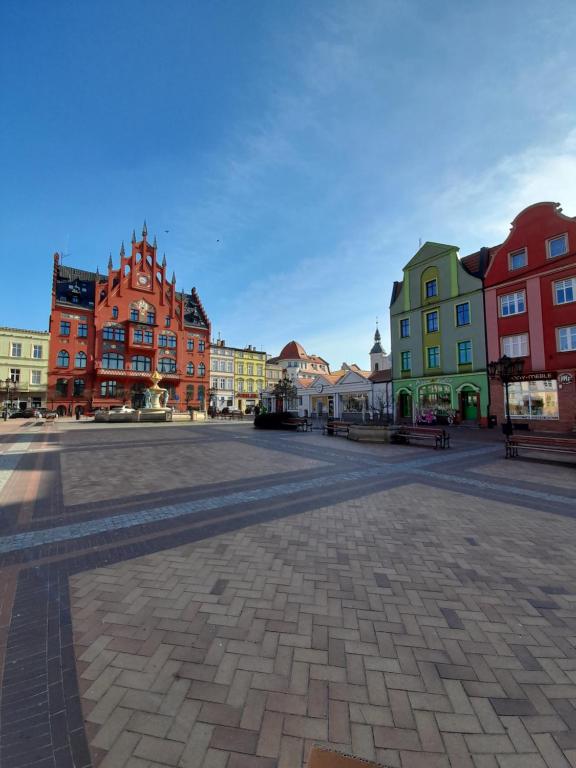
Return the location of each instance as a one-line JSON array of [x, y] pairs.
[[116, 413], [26, 413]]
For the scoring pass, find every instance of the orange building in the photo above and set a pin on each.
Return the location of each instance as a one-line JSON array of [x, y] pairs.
[[110, 332]]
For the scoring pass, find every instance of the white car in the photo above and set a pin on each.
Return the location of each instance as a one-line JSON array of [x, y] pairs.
[[117, 413]]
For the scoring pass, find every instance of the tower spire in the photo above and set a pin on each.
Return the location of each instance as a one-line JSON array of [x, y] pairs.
[[173, 278], [110, 262], [154, 243], [144, 230], [133, 236], [122, 249], [164, 260]]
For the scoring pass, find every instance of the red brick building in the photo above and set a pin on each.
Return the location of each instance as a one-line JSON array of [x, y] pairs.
[[110, 332], [530, 304]]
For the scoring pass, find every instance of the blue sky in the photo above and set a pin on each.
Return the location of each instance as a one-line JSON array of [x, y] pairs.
[[296, 152]]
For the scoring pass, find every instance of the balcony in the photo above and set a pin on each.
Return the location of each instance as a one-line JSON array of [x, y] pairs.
[[129, 373]]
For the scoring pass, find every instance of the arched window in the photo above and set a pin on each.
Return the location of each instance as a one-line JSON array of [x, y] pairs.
[[201, 369], [166, 365], [63, 359], [113, 361], [141, 363], [190, 369], [115, 313], [79, 385], [80, 360]]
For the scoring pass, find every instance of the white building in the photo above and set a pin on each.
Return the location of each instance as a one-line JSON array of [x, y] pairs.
[[298, 364], [221, 375]]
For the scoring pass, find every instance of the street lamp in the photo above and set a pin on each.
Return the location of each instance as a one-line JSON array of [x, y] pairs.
[[9, 385], [213, 400], [505, 370]]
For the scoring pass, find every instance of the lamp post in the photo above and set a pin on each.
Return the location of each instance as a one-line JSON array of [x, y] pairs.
[[213, 400], [9, 386], [505, 370]]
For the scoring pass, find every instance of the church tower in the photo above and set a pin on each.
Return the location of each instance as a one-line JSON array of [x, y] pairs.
[[379, 360]]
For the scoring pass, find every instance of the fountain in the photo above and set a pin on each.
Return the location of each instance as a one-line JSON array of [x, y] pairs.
[[155, 400]]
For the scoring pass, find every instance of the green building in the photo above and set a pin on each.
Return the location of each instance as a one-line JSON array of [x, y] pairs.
[[438, 338]]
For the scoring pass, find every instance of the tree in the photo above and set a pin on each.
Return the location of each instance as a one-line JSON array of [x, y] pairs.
[[285, 391]]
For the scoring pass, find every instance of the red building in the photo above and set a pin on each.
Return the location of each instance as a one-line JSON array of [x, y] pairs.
[[110, 332], [530, 303]]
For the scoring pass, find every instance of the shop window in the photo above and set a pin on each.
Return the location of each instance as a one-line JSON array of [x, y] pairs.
[[567, 338], [533, 400], [463, 313], [80, 360], [63, 359]]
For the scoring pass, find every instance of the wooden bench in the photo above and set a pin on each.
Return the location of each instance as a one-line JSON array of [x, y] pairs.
[[532, 442], [298, 423], [439, 437], [336, 427]]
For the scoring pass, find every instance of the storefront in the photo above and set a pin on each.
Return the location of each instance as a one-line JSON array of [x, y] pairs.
[[450, 400], [542, 400]]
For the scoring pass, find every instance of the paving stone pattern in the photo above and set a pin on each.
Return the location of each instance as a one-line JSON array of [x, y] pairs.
[[402, 612]]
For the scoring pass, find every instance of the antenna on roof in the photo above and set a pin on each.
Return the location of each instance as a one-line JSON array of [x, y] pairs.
[[419, 242]]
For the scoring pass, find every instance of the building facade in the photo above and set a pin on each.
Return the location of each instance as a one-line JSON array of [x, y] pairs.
[[222, 381], [23, 368], [297, 363], [250, 374], [530, 300], [438, 338], [110, 332]]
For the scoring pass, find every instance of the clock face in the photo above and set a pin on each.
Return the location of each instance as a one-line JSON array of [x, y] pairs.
[[142, 279]]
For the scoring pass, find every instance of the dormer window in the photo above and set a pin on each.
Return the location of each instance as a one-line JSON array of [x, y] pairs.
[[518, 259], [557, 246]]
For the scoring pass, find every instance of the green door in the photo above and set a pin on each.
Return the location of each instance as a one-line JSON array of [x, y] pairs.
[[469, 406]]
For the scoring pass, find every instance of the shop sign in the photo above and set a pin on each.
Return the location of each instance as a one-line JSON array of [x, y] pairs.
[[565, 378], [536, 376]]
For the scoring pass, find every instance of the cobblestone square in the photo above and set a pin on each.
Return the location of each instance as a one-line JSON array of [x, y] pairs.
[[232, 597]]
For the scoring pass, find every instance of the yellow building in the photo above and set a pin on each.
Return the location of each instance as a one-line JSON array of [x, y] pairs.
[[23, 368], [250, 377]]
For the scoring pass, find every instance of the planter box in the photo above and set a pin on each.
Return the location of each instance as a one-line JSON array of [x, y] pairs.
[[372, 434]]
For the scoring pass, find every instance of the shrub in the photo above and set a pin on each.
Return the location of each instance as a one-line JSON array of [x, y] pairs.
[[273, 421]]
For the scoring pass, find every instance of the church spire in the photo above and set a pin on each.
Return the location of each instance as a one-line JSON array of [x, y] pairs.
[[144, 230], [164, 260], [110, 262], [122, 249], [133, 236]]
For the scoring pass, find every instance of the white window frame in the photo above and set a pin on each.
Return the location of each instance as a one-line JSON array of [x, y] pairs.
[[37, 347], [557, 237], [15, 374], [39, 376], [504, 339], [14, 344], [557, 283], [571, 332], [511, 254], [515, 296]]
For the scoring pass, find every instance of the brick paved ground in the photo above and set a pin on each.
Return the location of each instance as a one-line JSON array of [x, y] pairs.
[[405, 605]]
